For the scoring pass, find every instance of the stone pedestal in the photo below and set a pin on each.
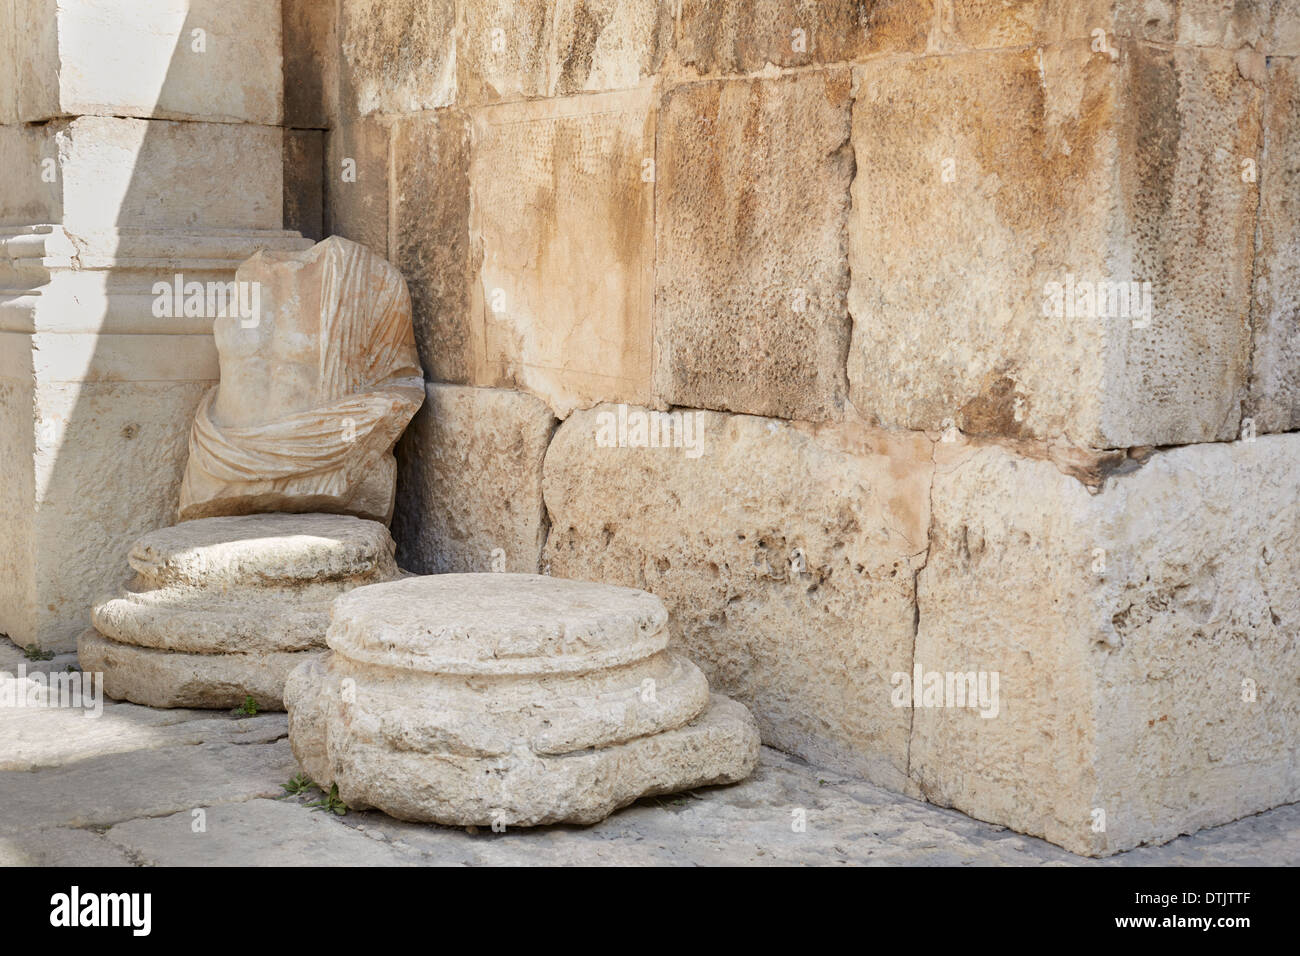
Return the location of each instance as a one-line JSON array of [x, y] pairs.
[[222, 609], [509, 699]]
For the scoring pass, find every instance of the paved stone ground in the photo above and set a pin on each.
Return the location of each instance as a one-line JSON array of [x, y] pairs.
[[122, 790]]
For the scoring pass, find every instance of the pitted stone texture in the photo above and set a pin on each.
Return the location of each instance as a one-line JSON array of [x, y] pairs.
[[785, 555], [495, 624], [744, 36], [1101, 170], [1144, 639], [563, 219], [1275, 308], [609, 44], [752, 204], [503, 50], [397, 57], [474, 699], [159, 678], [223, 608], [470, 482]]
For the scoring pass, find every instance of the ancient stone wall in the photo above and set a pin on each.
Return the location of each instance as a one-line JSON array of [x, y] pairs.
[[973, 319]]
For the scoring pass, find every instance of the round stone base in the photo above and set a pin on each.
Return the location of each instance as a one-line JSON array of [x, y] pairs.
[[522, 788], [222, 609], [508, 700], [158, 678]]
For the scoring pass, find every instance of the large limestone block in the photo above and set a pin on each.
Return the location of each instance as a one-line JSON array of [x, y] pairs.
[[562, 216], [397, 57], [430, 235], [752, 266], [1274, 403], [220, 609], [315, 389], [786, 557], [208, 60], [504, 50], [489, 699], [744, 36], [985, 24], [356, 183], [101, 173], [1103, 173], [609, 44], [470, 482], [1143, 639]]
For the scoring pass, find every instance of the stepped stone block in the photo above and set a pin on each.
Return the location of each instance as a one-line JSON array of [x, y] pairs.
[[562, 215], [508, 699], [751, 265], [207, 60], [786, 556], [221, 609], [1113, 228], [1143, 638], [98, 173], [470, 482]]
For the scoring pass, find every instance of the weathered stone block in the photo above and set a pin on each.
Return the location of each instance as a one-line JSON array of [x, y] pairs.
[[356, 183], [304, 186], [1143, 640], [752, 268], [311, 80], [786, 557], [100, 173], [397, 57], [744, 36], [503, 50], [562, 218], [1111, 226], [209, 60], [430, 239], [1274, 403], [470, 482], [609, 44]]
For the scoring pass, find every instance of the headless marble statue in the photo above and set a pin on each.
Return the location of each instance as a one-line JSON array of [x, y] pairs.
[[314, 392]]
